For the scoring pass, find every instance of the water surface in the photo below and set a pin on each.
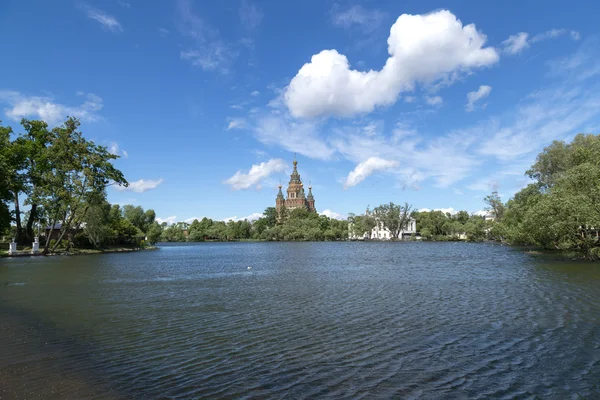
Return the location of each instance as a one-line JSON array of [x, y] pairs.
[[308, 320]]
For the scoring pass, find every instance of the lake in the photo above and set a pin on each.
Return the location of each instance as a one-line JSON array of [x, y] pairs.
[[308, 320]]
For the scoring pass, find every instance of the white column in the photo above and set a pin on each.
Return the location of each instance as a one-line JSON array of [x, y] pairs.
[[12, 248], [36, 246]]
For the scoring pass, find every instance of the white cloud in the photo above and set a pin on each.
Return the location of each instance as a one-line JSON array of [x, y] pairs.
[[190, 220], [255, 93], [163, 32], [45, 108], [449, 210], [208, 51], [256, 174], [422, 48], [409, 99], [124, 4], [516, 43], [107, 21], [250, 218], [236, 123], [520, 41], [113, 148], [365, 169], [554, 33], [473, 97], [294, 136], [434, 101], [140, 186], [250, 15], [331, 214], [367, 20], [169, 220]]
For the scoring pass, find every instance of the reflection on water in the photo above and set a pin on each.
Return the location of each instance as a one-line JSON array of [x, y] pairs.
[[309, 320]]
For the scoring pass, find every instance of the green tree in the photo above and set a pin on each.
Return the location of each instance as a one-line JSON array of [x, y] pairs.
[[154, 233], [97, 224], [495, 205], [5, 168], [78, 174], [394, 217], [560, 210]]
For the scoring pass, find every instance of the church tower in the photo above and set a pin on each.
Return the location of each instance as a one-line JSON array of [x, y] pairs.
[[296, 197]]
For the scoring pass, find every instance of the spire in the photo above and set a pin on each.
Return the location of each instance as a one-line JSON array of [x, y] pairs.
[[295, 177], [280, 195], [310, 195]]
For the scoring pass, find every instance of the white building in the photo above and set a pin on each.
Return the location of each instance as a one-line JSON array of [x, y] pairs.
[[381, 233]]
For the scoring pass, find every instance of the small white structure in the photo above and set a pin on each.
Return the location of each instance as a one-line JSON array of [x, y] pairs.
[[35, 248], [12, 248], [379, 232]]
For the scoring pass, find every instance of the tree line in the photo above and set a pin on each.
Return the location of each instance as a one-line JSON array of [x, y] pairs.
[[296, 225], [560, 209], [58, 175]]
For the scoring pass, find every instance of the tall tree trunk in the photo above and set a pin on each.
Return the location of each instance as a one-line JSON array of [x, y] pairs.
[[19, 236], [32, 217], [53, 222]]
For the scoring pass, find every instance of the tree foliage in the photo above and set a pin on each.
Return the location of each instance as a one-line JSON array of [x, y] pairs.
[[561, 209], [393, 217], [436, 225]]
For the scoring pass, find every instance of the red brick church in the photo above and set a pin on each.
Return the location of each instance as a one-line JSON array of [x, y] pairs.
[[295, 195]]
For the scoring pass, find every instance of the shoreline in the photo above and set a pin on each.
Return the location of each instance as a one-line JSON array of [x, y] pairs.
[[78, 252]]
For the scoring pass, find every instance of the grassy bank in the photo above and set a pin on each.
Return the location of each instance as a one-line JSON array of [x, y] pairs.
[[77, 252]]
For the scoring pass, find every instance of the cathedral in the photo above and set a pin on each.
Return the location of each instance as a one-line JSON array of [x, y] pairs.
[[295, 195]]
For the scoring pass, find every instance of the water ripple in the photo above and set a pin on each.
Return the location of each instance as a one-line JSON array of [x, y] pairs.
[[311, 320]]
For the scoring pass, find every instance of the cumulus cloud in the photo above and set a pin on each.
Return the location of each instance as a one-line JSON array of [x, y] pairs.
[[251, 217], [256, 174], [366, 168], [473, 97], [169, 220], [515, 44], [140, 186], [255, 93], [47, 109], [332, 214], [422, 48], [107, 21]]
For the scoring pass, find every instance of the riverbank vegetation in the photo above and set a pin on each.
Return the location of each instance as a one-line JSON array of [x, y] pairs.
[[560, 209], [60, 178], [440, 226], [297, 225]]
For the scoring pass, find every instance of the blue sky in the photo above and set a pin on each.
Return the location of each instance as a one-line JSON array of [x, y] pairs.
[[433, 103]]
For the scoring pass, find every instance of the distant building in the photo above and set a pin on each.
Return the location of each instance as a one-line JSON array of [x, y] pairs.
[[379, 232], [295, 195]]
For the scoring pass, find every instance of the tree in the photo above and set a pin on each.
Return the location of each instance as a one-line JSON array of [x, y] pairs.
[[270, 216], [394, 217], [78, 174], [5, 217], [495, 205], [154, 233], [97, 224], [561, 209]]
